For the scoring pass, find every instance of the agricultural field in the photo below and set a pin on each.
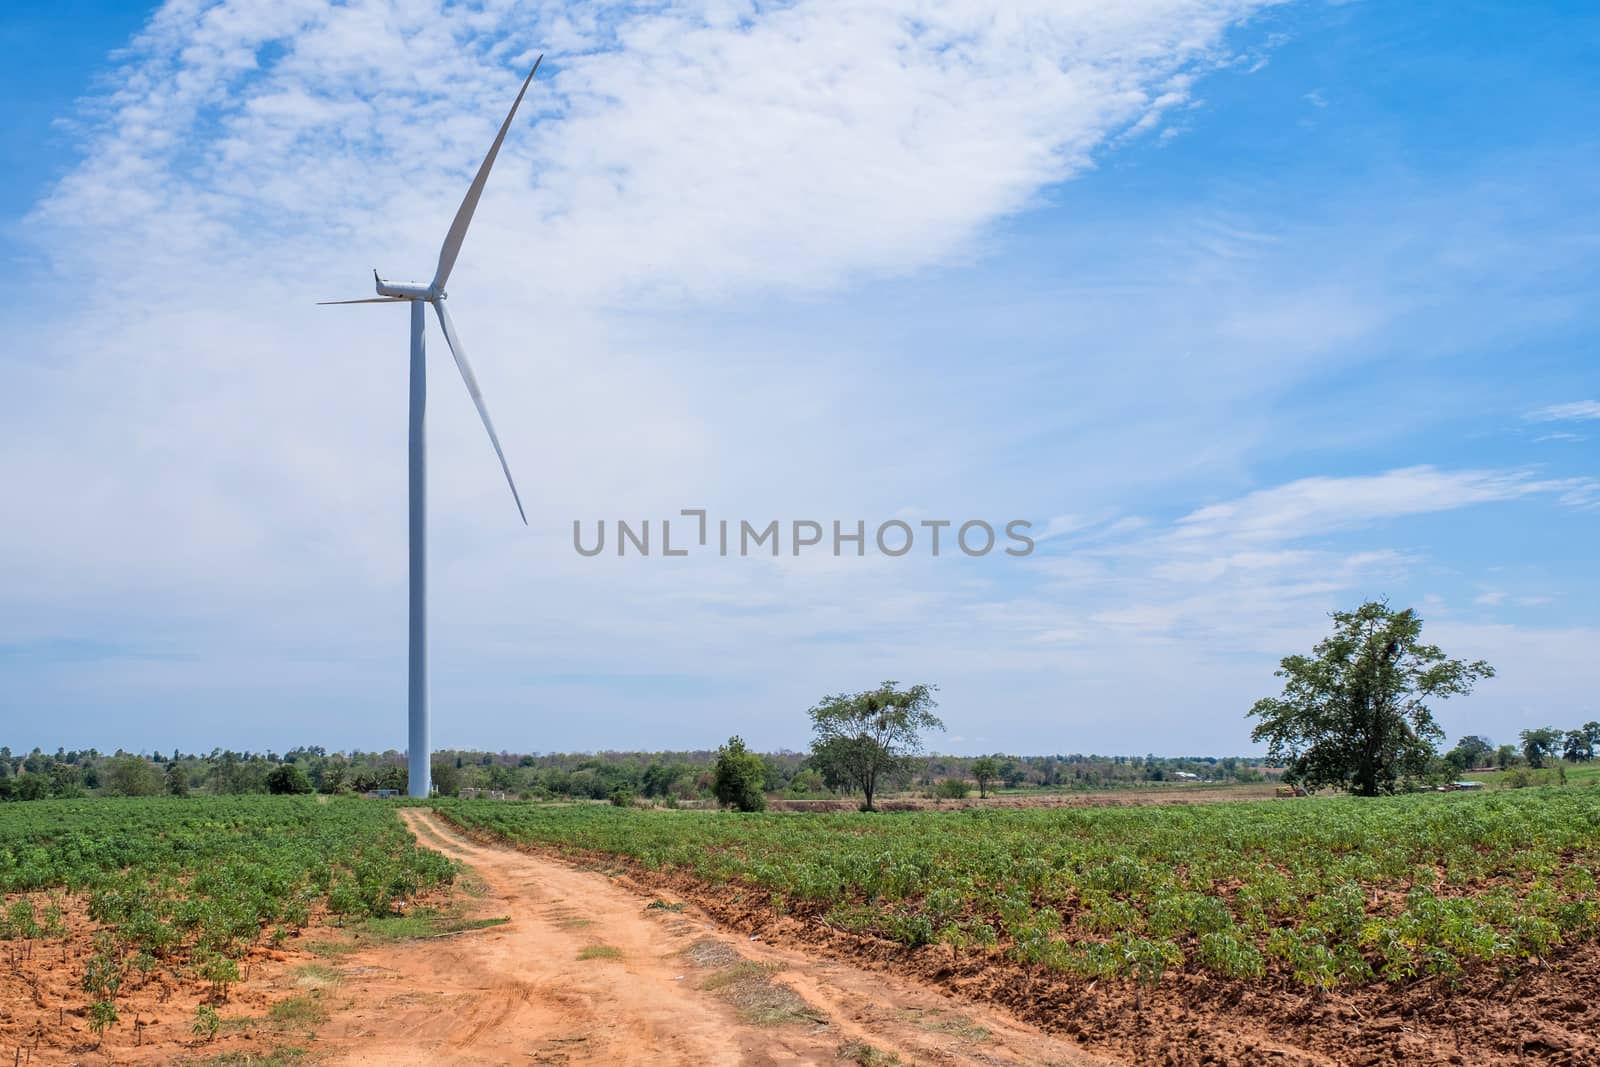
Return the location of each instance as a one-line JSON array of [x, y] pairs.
[[1122, 925], [121, 911]]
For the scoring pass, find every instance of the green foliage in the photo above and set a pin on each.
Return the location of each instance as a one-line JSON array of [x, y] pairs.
[[446, 777], [1578, 746], [861, 739], [206, 1022], [739, 777], [1539, 746], [950, 789], [985, 769], [133, 776], [1304, 892], [1354, 713], [195, 883], [1471, 751], [102, 1013], [286, 779]]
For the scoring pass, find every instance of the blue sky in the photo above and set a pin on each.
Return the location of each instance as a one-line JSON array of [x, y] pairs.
[[1259, 310]]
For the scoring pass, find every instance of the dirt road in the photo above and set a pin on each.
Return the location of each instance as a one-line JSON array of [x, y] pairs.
[[587, 972]]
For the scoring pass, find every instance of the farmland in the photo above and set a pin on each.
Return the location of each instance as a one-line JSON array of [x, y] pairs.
[[171, 900], [1428, 928], [1370, 904]]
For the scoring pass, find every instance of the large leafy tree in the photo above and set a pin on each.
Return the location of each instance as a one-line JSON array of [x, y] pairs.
[[1541, 745], [1471, 751], [286, 778], [1580, 744], [1354, 713], [863, 738]]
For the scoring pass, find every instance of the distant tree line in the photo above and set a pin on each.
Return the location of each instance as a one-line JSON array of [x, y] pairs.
[[667, 777]]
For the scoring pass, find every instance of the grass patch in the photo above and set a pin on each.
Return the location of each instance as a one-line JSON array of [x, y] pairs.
[[303, 1011], [278, 1057], [574, 924], [600, 952], [864, 1055], [961, 1026], [759, 998], [317, 976], [710, 952], [743, 971], [472, 885], [420, 923], [661, 905], [331, 949]]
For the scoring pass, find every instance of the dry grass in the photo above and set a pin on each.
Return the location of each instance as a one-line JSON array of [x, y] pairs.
[[864, 1055], [758, 996], [303, 1011], [711, 953], [317, 976]]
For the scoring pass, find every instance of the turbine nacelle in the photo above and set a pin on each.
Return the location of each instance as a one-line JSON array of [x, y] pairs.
[[407, 292]]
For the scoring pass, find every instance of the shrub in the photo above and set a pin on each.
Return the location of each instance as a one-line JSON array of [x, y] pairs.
[[286, 778], [739, 777]]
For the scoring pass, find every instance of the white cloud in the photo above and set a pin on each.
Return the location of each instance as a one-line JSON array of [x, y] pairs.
[[1323, 504], [1577, 411], [687, 149]]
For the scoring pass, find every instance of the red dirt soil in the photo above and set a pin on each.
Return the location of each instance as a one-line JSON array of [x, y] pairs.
[[44, 1016]]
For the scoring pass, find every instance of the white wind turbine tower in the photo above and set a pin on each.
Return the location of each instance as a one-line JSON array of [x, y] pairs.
[[419, 296]]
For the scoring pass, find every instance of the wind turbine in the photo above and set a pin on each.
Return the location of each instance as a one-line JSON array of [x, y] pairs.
[[419, 297]]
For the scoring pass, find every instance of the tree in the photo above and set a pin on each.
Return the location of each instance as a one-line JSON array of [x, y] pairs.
[[867, 736], [1354, 714], [1580, 744], [287, 778], [446, 778], [1471, 751], [132, 776], [333, 777], [177, 781], [1505, 756], [1540, 745], [1011, 774], [1576, 747], [739, 777], [985, 770]]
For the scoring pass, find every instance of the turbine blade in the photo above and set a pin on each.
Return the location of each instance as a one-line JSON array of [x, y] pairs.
[[458, 228], [368, 300], [471, 380]]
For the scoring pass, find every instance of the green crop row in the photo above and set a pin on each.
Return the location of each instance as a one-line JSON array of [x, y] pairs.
[[1319, 892], [191, 885]]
